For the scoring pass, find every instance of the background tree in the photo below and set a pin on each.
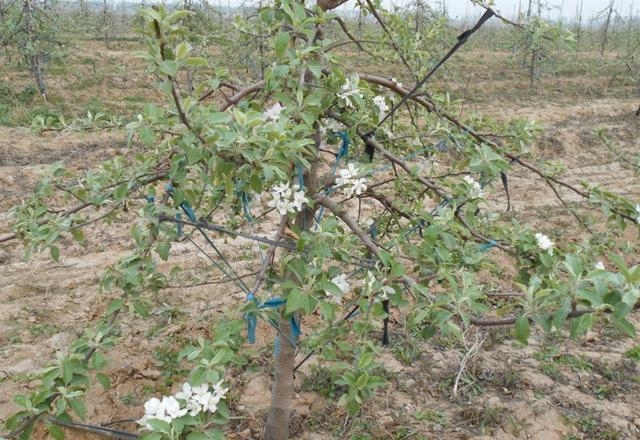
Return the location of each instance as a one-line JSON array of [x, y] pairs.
[[30, 30]]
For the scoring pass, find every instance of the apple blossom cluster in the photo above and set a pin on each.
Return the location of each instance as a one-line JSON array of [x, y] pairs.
[[273, 112], [381, 103], [287, 198], [544, 242], [330, 126], [349, 89], [191, 400], [396, 82], [343, 285], [476, 190], [348, 179]]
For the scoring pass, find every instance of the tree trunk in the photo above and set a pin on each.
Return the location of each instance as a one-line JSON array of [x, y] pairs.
[[105, 23], [277, 427], [278, 419], [579, 24], [606, 29], [30, 51]]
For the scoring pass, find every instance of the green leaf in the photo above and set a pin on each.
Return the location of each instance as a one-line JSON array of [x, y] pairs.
[[78, 407], [163, 250], [197, 436], [327, 311], [114, 306], [56, 432], [280, 71], [175, 16], [55, 252], [67, 370], [581, 325], [160, 426], [197, 62], [182, 50], [573, 263], [625, 326], [397, 269], [77, 234], [104, 380], [147, 135], [546, 259], [140, 307], [523, 329], [152, 436], [299, 300], [168, 67], [281, 42], [194, 154], [330, 287]]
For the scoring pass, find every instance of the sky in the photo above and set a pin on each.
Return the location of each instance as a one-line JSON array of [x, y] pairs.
[[509, 8]]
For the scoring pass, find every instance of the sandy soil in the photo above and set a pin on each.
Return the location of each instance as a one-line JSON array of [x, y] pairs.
[[553, 389]]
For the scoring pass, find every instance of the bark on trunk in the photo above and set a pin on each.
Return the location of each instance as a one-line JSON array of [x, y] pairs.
[[277, 427], [278, 418], [31, 52], [606, 29]]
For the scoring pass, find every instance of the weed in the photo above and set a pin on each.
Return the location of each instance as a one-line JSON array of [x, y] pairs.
[[14, 336], [130, 399], [591, 427], [552, 370], [487, 417], [633, 353], [36, 330], [433, 416], [506, 380], [323, 380], [406, 351], [596, 429], [167, 361], [576, 363]]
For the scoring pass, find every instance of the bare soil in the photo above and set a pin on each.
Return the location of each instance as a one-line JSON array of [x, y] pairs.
[[552, 389]]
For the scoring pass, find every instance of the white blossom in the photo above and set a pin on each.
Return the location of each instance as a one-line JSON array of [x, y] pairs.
[[211, 404], [299, 199], [353, 185], [186, 392], [370, 281], [385, 292], [194, 407], [358, 187], [396, 82], [346, 174], [383, 108], [281, 198], [172, 407], [273, 112], [166, 410], [349, 89], [638, 214], [341, 282], [217, 389], [544, 242], [331, 126], [191, 400], [599, 265], [476, 189]]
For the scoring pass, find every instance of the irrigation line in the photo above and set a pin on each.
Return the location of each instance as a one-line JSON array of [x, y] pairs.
[[94, 429], [462, 39]]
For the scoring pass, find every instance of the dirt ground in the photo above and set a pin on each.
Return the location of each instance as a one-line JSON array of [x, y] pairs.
[[552, 389]]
